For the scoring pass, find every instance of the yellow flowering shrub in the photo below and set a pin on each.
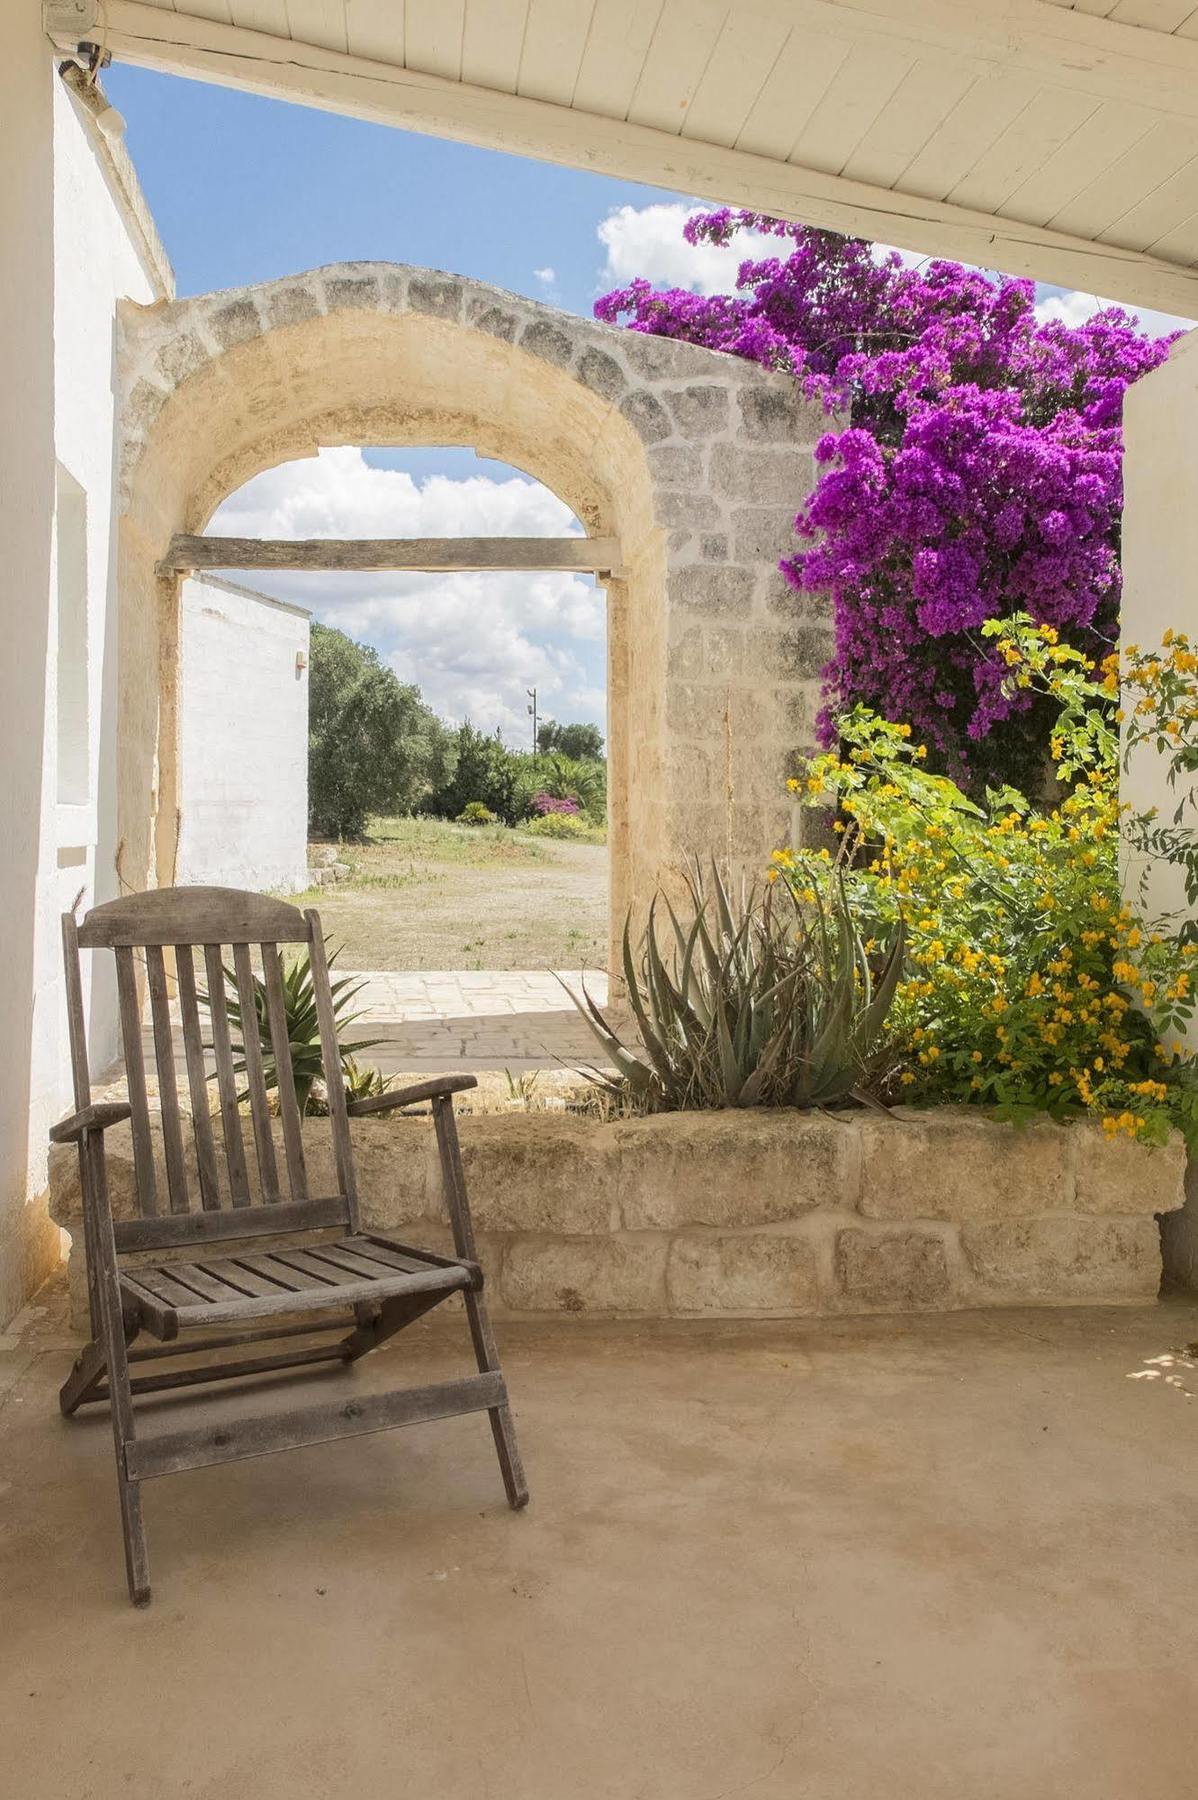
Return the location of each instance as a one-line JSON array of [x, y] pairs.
[[1031, 985]]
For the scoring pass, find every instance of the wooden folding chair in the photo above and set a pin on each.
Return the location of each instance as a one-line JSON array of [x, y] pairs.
[[202, 1274]]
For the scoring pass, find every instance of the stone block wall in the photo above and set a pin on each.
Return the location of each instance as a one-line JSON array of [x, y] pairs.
[[757, 1214], [696, 462]]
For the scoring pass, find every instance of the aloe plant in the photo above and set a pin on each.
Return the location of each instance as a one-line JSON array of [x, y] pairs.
[[761, 1000], [303, 1029]]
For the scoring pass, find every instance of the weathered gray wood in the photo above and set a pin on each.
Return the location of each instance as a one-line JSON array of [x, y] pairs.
[[193, 1345], [371, 1243], [586, 555], [226, 1079], [135, 1080], [167, 1306], [241, 1276], [233, 1439], [503, 1429], [95, 1196], [81, 1086], [197, 1228], [264, 1143], [197, 1077], [191, 915], [168, 1091], [330, 1056], [432, 1089], [351, 1262], [394, 1315], [230, 1371], [316, 1268], [293, 1142], [378, 1283], [98, 1116]]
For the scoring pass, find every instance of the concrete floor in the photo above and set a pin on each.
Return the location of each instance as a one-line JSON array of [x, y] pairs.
[[941, 1558]]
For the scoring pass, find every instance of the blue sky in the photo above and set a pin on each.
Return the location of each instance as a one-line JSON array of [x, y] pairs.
[[245, 189]]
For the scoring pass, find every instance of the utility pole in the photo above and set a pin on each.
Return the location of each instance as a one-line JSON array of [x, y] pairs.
[[532, 696]]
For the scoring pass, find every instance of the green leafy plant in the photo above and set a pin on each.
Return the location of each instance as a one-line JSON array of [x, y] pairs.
[[1033, 983], [303, 1030], [757, 1000], [475, 813], [561, 825]]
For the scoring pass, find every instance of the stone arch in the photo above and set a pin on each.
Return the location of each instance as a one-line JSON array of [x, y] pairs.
[[695, 461]]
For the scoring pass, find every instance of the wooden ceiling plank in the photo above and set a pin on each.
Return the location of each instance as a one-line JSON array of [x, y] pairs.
[[687, 33], [790, 94], [375, 28], [218, 11], [1105, 136], [414, 101], [554, 40], [1044, 125], [318, 22], [1115, 190], [261, 15], [859, 91], [1181, 244], [975, 124], [739, 68], [923, 100], [617, 44], [1163, 211], [492, 41], [1152, 15], [433, 37]]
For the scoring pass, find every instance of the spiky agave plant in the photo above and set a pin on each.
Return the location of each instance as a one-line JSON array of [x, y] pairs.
[[303, 1028], [761, 1000]]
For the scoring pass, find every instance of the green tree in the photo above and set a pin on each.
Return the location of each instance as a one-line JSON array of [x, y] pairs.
[[373, 745], [582, 743], [484, 770]]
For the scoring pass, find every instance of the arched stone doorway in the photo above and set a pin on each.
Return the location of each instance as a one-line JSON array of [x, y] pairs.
[[693, 460]]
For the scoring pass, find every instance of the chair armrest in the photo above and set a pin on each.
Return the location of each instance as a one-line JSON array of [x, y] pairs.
[[438, 1087], [97, 1117]]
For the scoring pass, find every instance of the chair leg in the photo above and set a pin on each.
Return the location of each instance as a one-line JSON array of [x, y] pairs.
[[503, 1429], [116, 1356], [86, 1374]]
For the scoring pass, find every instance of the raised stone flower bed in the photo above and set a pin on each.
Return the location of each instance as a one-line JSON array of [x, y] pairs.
[[758, 1214]]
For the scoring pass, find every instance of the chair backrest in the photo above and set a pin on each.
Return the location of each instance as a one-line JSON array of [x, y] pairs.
[[209, 930]]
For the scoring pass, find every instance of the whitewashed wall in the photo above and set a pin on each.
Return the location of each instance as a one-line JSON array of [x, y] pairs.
[[1160, 592], [72, 246], [244, 739]]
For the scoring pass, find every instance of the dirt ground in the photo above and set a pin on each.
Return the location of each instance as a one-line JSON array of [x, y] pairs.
[[427, 894]]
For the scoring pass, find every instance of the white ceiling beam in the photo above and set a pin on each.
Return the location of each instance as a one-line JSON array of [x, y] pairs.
[[1007, 31]]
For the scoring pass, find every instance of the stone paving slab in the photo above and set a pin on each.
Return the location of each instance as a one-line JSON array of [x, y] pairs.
[[451, 1020], [446, 1021]]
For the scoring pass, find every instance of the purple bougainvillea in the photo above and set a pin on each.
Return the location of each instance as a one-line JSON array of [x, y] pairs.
[[553, 803], [979, 474]]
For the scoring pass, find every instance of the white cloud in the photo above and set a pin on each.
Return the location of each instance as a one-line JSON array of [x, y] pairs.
[[1074, 308], [647, 241], [546, 276], [471, 642]]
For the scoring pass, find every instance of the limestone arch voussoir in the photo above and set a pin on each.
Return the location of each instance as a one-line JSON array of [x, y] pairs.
[[688, 457]]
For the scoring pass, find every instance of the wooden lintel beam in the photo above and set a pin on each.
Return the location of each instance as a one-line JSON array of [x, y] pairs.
[[583, 555]]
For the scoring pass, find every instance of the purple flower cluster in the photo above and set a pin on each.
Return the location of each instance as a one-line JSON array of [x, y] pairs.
[[552, 803], [979, 475]]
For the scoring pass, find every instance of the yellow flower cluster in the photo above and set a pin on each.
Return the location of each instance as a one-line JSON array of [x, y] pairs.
[[1029, 983]]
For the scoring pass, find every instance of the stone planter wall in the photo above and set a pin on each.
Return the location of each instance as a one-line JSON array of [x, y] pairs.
[[748, 1215]]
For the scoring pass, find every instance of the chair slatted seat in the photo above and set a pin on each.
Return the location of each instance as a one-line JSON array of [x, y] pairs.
[[230, 1236]]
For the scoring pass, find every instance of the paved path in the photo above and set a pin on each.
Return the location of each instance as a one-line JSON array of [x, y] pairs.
[[466, 1019]]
